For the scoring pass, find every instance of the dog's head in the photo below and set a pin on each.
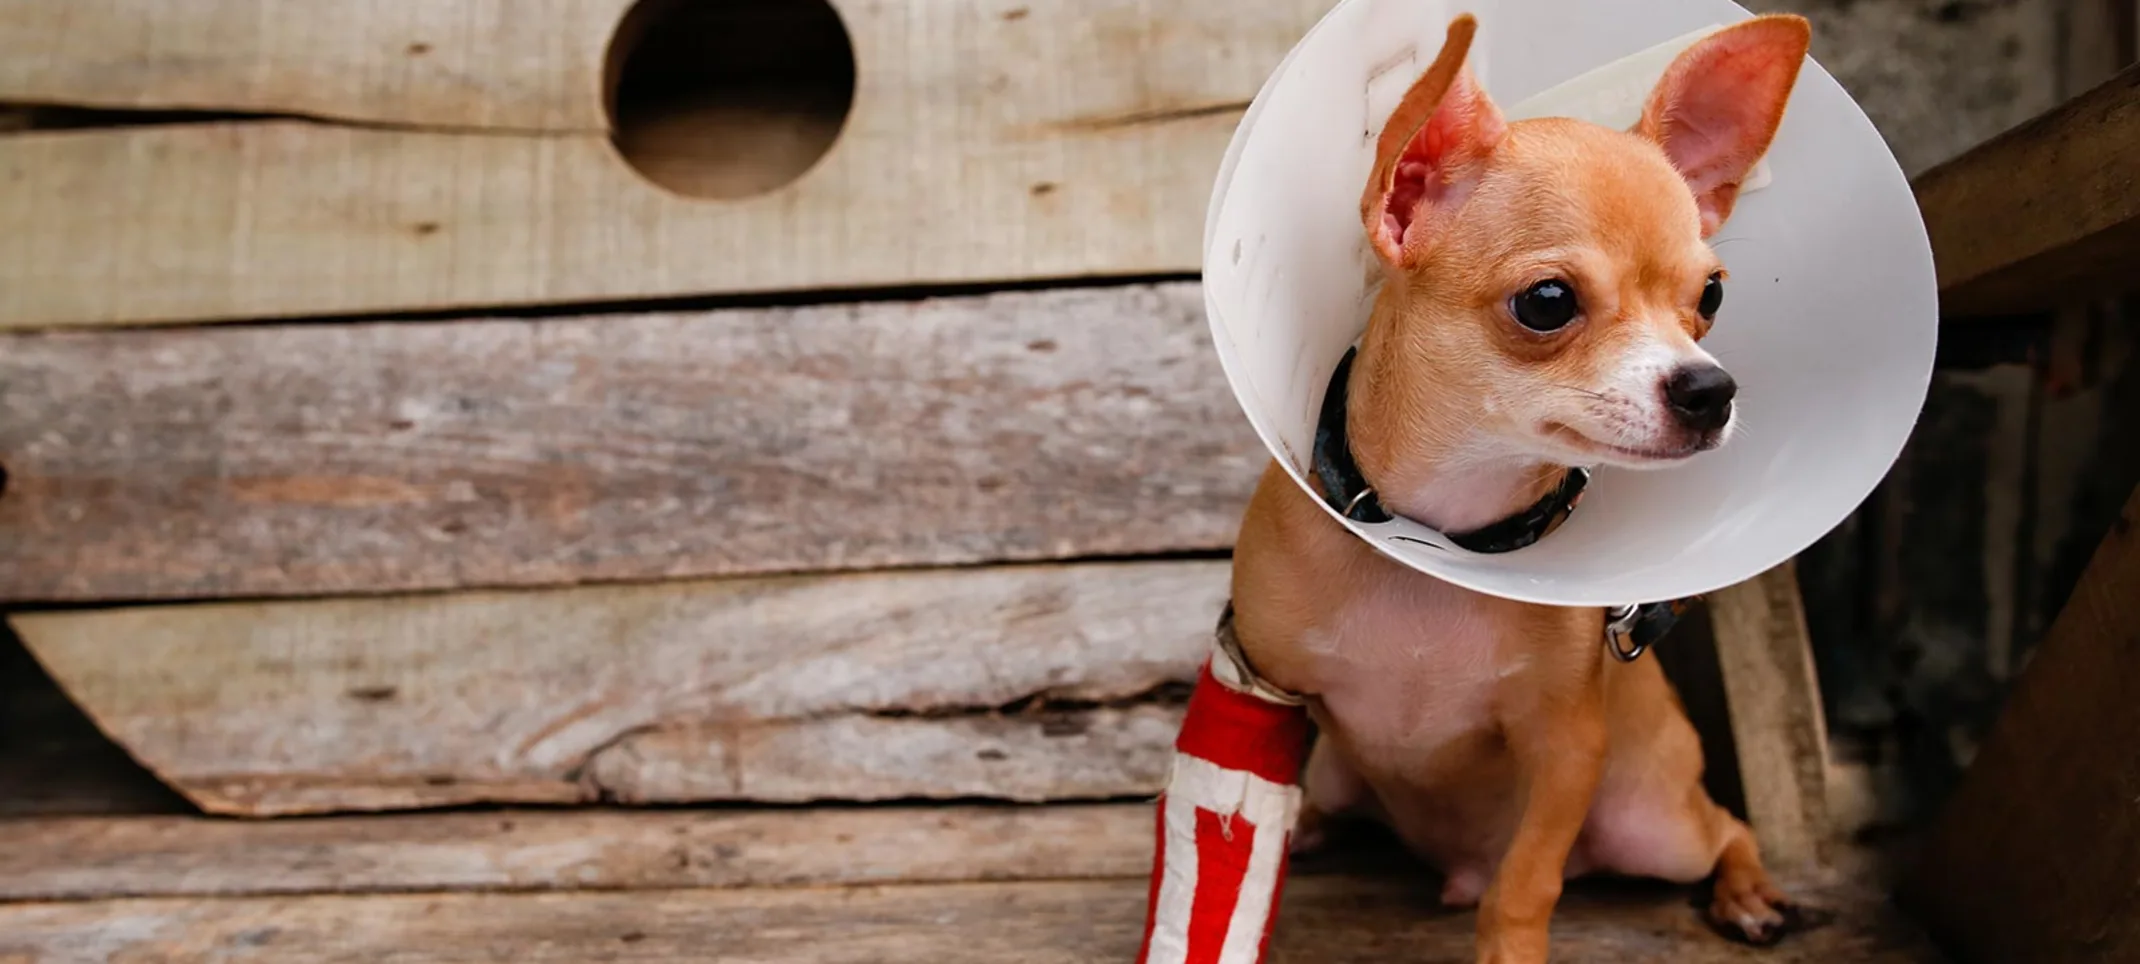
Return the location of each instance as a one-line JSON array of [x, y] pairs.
[[1549, 281]]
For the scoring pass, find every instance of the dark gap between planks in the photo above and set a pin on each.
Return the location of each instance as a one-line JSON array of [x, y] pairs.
[[800, 298], [18, 117], [25, 117], [54, 761], [117, 602]]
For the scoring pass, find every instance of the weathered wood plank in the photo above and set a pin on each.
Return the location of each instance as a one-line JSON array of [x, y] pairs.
[[502, 64], [1064, 754], [987, 141], [102, 857], [319, 460], [1023, 682], [2043, 215], [1778, 731], [1325, 920], [2033, 859]]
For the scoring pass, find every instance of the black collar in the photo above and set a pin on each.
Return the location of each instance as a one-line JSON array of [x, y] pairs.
[[1348, 492], [1629, 630]]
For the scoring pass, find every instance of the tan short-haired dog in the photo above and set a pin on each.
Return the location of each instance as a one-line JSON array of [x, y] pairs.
[[1547, 284]]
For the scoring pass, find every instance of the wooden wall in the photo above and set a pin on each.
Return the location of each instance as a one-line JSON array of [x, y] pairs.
[[376, 436], [390, 424]]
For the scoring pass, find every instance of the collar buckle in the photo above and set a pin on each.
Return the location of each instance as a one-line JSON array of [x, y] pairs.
[[1630, 629]]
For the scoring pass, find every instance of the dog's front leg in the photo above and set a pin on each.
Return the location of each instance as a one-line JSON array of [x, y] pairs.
[[1559, 746]]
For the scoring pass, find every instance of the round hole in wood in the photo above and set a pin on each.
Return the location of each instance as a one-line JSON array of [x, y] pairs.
[[728, 98]]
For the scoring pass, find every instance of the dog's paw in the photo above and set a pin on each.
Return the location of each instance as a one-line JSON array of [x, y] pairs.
[[1464, 886], [1756, 913]]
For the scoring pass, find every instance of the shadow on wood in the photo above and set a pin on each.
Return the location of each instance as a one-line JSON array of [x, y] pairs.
[[2034, 859], [53, 760]]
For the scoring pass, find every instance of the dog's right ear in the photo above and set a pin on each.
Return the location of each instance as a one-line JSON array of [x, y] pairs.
[[1433, 150]]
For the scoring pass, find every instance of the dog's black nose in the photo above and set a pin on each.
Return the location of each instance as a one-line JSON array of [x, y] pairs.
[[1701, 396]]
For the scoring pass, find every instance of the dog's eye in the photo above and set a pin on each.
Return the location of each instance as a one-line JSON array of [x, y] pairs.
[[1712, 296], [1545, 306]]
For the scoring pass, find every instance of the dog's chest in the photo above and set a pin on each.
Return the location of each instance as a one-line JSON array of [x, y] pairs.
[[1411, 664]]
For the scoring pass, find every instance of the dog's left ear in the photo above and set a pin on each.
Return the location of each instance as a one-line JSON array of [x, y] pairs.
[[1717, 108]]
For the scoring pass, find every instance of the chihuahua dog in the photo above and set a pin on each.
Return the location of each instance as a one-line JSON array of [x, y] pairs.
[[1546, 285]]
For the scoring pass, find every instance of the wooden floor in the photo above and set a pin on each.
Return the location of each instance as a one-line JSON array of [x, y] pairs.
[[875, 885]]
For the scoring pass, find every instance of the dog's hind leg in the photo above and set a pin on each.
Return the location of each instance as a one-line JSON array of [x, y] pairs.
[[1334, 791]]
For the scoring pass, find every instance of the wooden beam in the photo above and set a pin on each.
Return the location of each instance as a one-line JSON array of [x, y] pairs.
[[352, 459], [1038, 682], [103, 857], [1058, 146], [1326, 920], [1777, 726], [2044, 215], [2033, 859]]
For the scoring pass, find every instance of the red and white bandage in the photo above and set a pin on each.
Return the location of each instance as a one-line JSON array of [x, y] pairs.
[[1225, 820]]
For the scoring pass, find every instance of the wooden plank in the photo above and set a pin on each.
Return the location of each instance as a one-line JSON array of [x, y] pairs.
[[1021, 682], [2033, 859], [1326, 920], [987, 141], [87, 858], [1777, 727], [1067, 754], [500, 64], [321, 460], [2043, 215]]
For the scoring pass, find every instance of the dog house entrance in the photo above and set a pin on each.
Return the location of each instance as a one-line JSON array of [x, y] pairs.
[[729, 98]]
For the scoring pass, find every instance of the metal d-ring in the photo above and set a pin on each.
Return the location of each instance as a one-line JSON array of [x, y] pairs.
[[1620, 627], [1364, 494]]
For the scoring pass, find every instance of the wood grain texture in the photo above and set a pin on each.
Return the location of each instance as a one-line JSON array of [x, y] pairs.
[[987, 141], [2033, 860], [1324, 920], [1044, 754], [1021, 683], [499, 64], [2044, 215], [101, 857], [1777, 727], [338, 459]]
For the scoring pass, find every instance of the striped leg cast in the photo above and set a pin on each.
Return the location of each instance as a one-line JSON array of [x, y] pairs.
[[1225, 820]]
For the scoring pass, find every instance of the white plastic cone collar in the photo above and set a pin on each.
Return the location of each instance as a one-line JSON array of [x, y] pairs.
[[1829, 326]]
